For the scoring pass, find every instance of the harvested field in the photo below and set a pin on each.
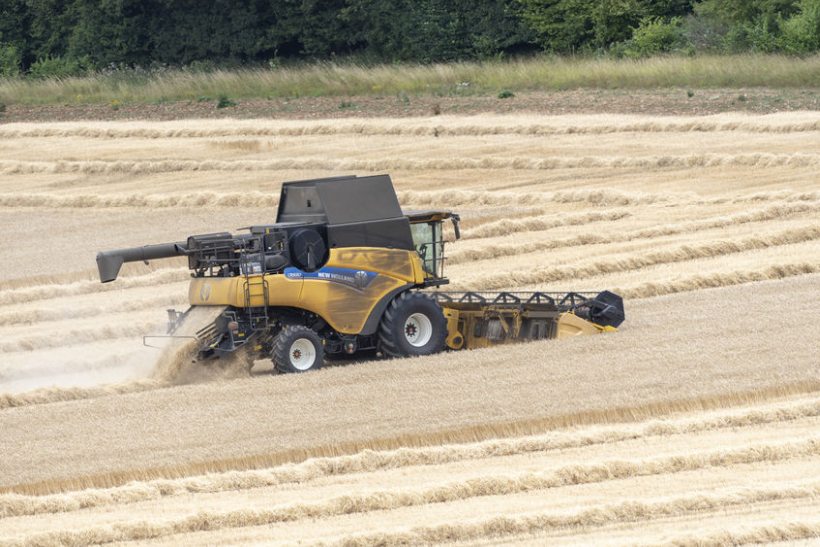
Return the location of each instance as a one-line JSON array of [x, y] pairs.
[[696, 423]]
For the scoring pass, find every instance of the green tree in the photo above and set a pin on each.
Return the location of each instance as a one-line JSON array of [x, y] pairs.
[[49, 26], [99, 32], [654, 36], [65, 36], [10, 60], [613, 20], [745, 11], [435, 30], [308, 28], [749, 25], [561, 26], [14, 25], [801, 32], [569, 25]]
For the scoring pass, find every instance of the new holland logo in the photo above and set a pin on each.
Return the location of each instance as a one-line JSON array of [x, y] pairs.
[[205, 292], [356, 279], [361, 279]]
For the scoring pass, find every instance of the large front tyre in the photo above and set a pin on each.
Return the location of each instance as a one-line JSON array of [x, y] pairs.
[[297, 349], [412, 325]]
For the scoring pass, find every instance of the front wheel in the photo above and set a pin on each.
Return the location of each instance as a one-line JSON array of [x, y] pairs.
[[297, 349], [412, 325]]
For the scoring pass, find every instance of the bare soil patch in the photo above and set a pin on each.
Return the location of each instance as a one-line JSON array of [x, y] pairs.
[[582, 101]]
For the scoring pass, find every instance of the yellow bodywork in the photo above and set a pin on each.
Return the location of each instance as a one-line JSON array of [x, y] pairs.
[[466, 328], [353, 281], [337, 299], [570, 324]]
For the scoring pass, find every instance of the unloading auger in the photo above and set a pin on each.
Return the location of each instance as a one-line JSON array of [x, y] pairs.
[[345, 270]]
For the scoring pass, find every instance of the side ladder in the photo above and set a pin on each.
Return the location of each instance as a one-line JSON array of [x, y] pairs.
[[256, 288]]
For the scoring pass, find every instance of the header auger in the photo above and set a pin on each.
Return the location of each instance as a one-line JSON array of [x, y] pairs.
[[344, 270]]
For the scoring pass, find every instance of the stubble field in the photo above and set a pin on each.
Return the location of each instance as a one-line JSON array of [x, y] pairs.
[[696, 423]]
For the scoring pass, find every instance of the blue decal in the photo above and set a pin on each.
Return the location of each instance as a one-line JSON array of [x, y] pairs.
[[357, 279]]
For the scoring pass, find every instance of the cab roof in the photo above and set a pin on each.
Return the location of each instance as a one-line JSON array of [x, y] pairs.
[[417, 217]]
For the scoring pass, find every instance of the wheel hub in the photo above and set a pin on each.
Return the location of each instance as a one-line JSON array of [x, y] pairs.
[[418, 330], [302, 354]]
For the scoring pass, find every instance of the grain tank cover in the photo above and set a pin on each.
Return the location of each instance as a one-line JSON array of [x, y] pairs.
[[338, 200], [358, 211], [299, 201]]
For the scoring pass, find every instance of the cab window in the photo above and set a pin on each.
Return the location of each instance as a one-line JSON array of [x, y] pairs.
[[428, 244]]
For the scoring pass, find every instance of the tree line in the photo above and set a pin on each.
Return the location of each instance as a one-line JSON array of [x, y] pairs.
[[44, 38]]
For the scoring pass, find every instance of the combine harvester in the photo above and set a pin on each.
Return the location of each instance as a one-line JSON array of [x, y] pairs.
[[344, 270]]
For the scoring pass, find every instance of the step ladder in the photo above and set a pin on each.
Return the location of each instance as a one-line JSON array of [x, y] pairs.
[[256, 299]]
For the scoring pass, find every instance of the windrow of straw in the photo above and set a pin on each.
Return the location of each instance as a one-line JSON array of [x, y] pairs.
[[370, 461], [50, 291], [772, 212], [438, 126], [624, 512], [679, 254], [46, 315], [541, 223], [466, 434], [408, 198], [141, 167], [790, 532], [716, 280], [93, 333], [497, 527], [58, 394]]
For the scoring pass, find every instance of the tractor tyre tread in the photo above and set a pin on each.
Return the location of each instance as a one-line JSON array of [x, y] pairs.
[[392, 324], [284, 340]]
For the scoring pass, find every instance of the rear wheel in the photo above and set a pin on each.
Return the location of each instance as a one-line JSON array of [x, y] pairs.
[[413, 324], [297, 349]]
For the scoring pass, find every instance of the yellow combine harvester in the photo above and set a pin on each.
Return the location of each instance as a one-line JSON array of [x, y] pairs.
[[344, 270]]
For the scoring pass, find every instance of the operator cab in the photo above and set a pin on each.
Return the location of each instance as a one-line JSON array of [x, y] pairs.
[[427, 230]]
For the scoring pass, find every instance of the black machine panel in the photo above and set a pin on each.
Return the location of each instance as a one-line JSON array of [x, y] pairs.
[[362, 199], [299, 201], [391, 233], [358, 211]]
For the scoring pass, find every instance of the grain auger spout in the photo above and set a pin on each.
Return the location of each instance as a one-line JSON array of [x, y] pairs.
[[344, 269], [110, 262]]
